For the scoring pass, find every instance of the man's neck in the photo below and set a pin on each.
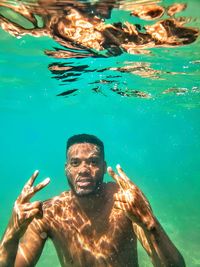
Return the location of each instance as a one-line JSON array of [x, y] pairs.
[[90, 203]]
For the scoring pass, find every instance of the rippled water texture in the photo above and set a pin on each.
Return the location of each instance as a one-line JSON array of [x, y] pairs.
[[127, 72]]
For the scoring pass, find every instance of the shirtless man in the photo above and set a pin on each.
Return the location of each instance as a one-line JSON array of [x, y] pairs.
[[94, 224]]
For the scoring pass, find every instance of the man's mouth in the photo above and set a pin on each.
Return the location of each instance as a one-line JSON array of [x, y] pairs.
[[85, 182]]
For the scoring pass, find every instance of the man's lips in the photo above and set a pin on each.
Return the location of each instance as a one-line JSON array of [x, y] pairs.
[[84, 182]]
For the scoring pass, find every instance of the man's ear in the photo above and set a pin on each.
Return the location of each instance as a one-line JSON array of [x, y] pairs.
[[105, 167], [65, 167]]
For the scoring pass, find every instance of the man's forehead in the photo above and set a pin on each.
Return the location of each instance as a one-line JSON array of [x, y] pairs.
[[83, 148]]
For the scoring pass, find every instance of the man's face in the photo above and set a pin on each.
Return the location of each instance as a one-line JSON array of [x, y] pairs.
[[85, 168]]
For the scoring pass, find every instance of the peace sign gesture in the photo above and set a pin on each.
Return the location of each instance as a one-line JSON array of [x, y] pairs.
[[24, 211], [131, 200]]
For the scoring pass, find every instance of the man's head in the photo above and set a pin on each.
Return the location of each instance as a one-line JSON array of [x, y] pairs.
[[85, 166]]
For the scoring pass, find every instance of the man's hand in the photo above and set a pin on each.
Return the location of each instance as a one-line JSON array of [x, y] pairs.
[[24, 211], [131, 200]]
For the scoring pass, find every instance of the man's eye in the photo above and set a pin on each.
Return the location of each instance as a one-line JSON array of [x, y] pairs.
[[74, 163], [94, 162]]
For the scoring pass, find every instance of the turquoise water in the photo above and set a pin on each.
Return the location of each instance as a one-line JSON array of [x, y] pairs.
[[155, 139]]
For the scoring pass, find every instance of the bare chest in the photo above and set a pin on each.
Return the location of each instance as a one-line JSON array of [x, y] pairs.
[[97, 241]]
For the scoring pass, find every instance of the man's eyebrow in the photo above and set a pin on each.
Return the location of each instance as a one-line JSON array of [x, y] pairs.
[[94, 155]]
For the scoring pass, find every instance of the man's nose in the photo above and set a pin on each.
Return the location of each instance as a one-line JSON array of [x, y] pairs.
[[84, 169]]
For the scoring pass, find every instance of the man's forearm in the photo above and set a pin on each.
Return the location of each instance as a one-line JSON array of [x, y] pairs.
[[8, 247], [163, 251]]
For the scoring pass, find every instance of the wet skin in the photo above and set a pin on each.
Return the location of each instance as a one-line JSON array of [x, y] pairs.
[[85, 169], [93, 224]]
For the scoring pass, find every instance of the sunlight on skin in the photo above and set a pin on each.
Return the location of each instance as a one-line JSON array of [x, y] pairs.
[[130, 198], [90, 224], [88, 242]]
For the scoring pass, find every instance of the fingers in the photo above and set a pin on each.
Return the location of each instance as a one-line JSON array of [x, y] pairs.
[[33, 205], [120, 181], [122, 173], [29, 190], [124, 196], [32, 178], [32, 213], [24, 213], [121, 206], [125, 177], [123, 181], [119, 197], [21, 208], [41, 185]]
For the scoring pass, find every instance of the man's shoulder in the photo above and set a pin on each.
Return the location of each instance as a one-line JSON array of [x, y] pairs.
[[56, 201], [111, 186], [50, 209]]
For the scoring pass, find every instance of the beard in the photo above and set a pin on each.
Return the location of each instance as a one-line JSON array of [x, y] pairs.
[[85, 192]]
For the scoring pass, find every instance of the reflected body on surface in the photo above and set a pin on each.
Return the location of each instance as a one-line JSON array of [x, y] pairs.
[[83, 26], [92, 30]]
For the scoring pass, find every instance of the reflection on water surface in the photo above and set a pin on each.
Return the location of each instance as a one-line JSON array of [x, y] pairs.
[[104, 29]]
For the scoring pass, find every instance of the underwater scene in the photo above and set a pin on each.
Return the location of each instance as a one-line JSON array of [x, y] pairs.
[[127, 72]]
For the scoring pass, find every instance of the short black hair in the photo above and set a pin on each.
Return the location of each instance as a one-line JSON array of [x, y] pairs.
[[85, 138]]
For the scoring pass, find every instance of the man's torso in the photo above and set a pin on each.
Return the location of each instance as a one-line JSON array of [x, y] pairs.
[[103, 238]]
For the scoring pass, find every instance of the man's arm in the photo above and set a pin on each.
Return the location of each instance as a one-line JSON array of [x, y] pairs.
[[158, 246], [23, 253], [132, 201], [30, 247], [12, 251]]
